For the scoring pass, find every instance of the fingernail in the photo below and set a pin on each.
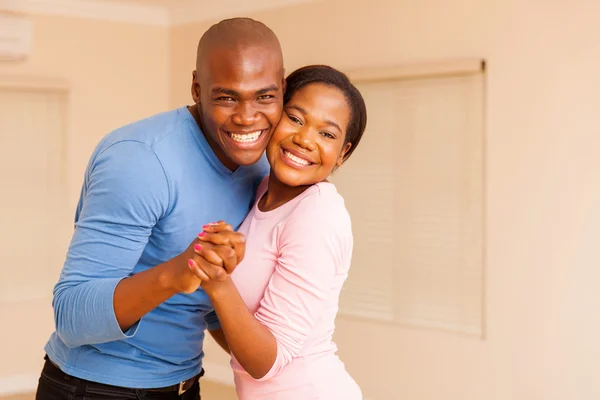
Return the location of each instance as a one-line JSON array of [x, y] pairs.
[[206, 226], [190, 263], [202, 234], [197, 247]]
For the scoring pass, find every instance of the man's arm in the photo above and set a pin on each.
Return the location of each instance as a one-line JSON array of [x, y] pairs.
[[219, 337], [96, 300]]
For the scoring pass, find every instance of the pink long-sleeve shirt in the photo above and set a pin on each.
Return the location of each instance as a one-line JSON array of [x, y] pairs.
[[297, 259]]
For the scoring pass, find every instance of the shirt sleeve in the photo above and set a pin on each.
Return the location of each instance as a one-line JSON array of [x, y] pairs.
[[124, 196], [312, 243]]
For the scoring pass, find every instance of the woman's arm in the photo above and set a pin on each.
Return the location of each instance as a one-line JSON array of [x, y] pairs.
[[265, 342], [252, 344]]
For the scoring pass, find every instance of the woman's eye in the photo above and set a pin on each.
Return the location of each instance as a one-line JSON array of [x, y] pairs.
[[294, 119], [328, 135]]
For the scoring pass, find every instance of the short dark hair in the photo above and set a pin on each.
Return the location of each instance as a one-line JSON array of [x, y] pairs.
[[332, 77]]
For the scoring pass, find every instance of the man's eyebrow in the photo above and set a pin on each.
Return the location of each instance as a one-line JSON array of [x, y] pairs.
[[272, 88], [223, 90], [233, 93]]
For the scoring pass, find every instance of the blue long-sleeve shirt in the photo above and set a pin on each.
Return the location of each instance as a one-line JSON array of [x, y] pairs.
[[148, 189]]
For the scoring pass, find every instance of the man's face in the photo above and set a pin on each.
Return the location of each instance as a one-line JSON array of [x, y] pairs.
[[239, 95]]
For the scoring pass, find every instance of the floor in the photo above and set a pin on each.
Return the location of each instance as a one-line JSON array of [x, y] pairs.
[[210, 391]]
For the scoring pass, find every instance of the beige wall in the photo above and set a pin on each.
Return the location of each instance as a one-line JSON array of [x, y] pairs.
[[543, 141], [542, 193], [116, 73]]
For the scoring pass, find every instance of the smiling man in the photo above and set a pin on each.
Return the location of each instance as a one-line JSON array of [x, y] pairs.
[[130, 316]]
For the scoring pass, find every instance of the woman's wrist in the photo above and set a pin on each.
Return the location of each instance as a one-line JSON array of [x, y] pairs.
[[217, 289]]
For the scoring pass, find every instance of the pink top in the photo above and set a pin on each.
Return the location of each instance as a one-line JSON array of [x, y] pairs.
[[297, 259]]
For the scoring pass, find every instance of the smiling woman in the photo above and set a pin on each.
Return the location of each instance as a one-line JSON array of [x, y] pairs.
[[277, 309], [311, 137]]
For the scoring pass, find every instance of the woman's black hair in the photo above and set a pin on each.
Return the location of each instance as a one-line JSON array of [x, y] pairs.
[[332, 77]]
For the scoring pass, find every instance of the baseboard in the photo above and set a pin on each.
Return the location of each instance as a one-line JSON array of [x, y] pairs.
[[17, 384], [27, 383]]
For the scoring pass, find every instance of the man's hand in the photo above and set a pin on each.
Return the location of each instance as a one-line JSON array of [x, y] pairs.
[[179, 276]]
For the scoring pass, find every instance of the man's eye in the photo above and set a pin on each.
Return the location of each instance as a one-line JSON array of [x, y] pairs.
[[266, 97], [225, 98]]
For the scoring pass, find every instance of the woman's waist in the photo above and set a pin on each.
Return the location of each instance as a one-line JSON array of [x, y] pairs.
[[314, 376], [314, 350]]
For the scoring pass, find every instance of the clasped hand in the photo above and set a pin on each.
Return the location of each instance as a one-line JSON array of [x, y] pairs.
[[218, 250]]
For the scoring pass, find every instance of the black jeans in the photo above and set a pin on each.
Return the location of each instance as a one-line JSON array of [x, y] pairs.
[[56, 385]]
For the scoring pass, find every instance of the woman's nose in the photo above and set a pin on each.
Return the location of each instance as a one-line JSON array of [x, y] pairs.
[[305, 139]]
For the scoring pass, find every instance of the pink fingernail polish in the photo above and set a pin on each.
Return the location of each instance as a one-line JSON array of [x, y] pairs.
[[197, 247], [202, 234], [190, 263]]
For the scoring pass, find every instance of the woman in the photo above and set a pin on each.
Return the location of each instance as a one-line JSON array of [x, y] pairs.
[[277, 309]]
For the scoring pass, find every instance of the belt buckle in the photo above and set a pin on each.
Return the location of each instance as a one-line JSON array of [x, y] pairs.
[[181, 389]]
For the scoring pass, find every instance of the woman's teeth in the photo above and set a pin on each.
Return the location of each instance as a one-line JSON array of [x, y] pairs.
[[246, 137], [296, 159]]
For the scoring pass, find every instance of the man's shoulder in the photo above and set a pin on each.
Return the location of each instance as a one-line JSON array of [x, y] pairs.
[[149, 131]]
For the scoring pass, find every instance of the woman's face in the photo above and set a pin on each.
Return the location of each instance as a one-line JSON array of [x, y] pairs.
[[309, 141]]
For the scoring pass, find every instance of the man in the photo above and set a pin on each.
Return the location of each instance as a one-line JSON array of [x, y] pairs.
[[129, 314]]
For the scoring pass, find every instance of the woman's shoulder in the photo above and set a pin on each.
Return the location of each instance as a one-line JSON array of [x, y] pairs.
[[323, 206]]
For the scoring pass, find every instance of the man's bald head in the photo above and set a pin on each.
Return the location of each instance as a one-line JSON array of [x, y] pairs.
[[238, 88], [235, 35]]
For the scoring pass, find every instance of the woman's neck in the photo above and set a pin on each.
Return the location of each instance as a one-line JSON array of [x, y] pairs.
[[278, 194]]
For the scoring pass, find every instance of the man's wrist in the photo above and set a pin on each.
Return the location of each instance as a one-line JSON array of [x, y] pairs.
[[168, 276]]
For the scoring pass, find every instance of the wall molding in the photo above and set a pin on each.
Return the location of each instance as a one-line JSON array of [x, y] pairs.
[[92, 9], [227, 8], [143, 14], [17, 384]]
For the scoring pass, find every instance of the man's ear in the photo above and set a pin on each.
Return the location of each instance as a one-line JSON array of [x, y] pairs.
[[283, 83], [195, 88]]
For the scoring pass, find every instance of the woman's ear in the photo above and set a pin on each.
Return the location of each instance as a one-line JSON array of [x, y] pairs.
[[343, 153]]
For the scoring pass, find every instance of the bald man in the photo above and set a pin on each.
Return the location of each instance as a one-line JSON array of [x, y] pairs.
[[130, 316]]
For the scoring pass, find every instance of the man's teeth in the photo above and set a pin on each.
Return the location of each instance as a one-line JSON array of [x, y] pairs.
[[246, 137], [296, 159]]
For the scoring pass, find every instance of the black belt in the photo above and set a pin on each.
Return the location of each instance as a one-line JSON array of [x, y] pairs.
[[180, 387]]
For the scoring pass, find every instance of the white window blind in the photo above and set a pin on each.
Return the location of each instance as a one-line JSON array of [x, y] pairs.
[[32, 176], [414, 189]]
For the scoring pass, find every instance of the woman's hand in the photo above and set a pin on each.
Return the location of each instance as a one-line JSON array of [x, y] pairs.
[[222, 234], [218, 251]]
